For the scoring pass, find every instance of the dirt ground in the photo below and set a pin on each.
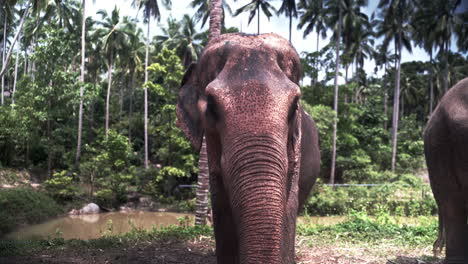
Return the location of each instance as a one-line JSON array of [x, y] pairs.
[[201, 251]]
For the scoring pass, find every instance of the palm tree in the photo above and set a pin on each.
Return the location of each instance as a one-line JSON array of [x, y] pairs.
[[254, 8], [396, 15], [133, 59], [444, 23], [290, 10], [313, 15], [343, 14], [183, 38], [203, 10], [335, 7], [203, 171], [114, 31], [425, 37], [82, 80], [150, 9], [382, 59], [6, 60]]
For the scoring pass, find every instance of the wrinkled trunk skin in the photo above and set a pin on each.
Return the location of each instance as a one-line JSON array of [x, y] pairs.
[[249, 190]]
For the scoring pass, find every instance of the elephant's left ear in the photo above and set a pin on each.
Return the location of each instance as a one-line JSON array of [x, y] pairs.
[[188, 116]]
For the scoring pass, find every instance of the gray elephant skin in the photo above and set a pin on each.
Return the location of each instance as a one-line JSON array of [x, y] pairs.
[[263, 150], [446, 151]]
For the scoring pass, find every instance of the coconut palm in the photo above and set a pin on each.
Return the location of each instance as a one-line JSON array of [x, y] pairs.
[[82, 80], [150, 10], [288, 7], [133, 59], [343, 16], [182, 37], [6, 59], [203, 10], [254, 9], [313, 16], [425, 37], [114, 32], [395, 25], [382, 59]]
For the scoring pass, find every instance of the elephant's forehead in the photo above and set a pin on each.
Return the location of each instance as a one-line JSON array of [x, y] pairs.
[[270, 40], [241, 52]]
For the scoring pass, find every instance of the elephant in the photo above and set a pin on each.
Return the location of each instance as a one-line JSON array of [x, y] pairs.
[[446, 151], [263, 150]]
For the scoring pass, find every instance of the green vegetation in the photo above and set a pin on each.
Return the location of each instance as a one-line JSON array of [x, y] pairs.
[[43, 98], [399, 198], [358, 228], [25, 206]]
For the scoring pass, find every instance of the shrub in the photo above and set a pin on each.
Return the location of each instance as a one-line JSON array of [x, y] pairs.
[[398, 198], [24, 206], [61, 186]]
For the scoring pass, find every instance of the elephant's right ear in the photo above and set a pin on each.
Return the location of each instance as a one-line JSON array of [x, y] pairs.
[[188, 116]]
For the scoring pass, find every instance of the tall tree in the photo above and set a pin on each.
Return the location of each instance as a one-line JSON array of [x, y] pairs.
[[343, 14], [202, 12], [114, 31], [150, 10], [289, 8], [254, 8], [82, 80], [335, 7], [183, 37], [203, 166], [12, 45], [425, 37], [395, 25], [313, 16]]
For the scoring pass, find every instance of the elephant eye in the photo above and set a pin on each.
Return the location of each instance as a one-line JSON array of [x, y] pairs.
[[293, 108], [211, 108]]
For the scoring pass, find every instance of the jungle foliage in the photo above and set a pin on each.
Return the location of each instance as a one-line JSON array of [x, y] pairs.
[[38, 119]]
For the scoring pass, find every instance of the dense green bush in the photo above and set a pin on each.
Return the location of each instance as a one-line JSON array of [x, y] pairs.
[[24, 206], [398, 198], [61, 186], [359, 227]]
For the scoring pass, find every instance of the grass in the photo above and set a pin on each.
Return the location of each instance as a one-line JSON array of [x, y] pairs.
[[359, 230]]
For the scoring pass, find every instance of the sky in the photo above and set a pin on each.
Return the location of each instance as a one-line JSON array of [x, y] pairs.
[[278, 25]]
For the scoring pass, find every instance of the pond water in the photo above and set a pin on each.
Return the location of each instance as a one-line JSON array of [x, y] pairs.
[[95, 226]]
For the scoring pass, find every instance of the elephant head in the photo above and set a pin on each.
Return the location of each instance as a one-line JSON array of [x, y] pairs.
[[243, 95]]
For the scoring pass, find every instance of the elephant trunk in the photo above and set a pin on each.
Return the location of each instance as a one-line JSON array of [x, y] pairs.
[[258, 193]]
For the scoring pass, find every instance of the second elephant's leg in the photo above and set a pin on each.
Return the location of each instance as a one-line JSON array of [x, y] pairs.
[[455, 219]]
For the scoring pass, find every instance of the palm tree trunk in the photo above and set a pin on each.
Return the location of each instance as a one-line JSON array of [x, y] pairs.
[[203, 169], [130, 111], [335, 101], [215, 19], [385, 98], [15, 77], [203, 186], [258, 20], [109, 82], [396, 102], [315, 81], [146, 96], [7, 60], [82, 79], [3, 53], [290, 26], [431, 84], [446, 65]]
